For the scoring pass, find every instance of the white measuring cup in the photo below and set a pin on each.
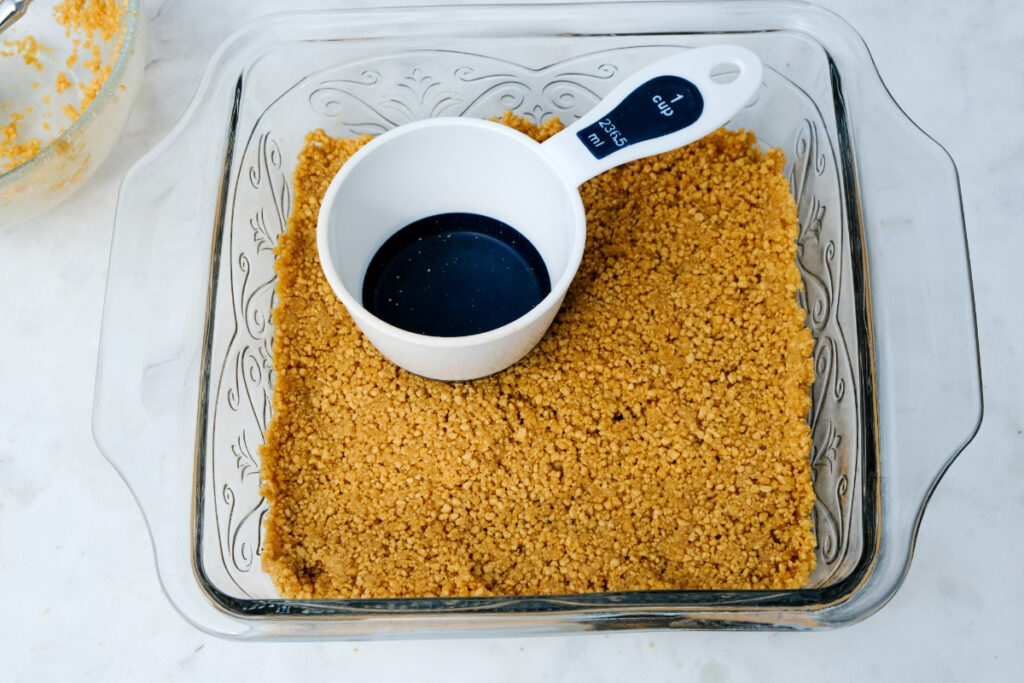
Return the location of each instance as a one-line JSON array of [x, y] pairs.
[[463, 165]]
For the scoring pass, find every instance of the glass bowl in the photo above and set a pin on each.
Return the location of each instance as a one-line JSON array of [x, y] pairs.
[[185, 374], [74, 153]]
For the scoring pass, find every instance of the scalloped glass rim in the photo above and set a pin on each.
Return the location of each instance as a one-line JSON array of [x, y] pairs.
[[106, 92]]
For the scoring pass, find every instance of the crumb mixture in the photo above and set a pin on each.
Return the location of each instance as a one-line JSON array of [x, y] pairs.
[[655, 439], [88, 25], [27, 48], [14, 151], [93, 22]]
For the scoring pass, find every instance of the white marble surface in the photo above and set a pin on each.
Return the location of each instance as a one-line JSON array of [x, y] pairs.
[[79, 598]]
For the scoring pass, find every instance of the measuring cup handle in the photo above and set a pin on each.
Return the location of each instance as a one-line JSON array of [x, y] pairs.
[[664, 106]]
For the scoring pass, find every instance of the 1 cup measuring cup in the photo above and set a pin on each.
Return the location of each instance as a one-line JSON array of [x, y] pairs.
[[452, 241]]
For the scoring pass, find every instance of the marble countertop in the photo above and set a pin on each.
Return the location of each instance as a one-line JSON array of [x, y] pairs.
[[79, 596]]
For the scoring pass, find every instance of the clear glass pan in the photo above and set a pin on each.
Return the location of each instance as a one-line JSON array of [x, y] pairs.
[[185, 375]]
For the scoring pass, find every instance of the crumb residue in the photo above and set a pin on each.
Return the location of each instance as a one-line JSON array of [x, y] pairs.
[[89, 25], [27, 48], [655, 439], [15, 151], [94, 22], [62, 83]]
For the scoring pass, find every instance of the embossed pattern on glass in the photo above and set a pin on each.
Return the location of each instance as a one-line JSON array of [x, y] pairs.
[[379, 93]]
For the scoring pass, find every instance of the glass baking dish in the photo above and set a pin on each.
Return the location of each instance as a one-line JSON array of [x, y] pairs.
[[185, 375]]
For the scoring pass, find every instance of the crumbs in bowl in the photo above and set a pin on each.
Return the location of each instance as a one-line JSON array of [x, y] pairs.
[[50, 80], [656, 438]]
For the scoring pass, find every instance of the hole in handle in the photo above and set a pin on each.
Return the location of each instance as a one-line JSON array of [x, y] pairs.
[[724, 73]]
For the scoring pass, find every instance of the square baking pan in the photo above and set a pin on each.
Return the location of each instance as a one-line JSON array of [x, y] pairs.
[[185, 377]]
